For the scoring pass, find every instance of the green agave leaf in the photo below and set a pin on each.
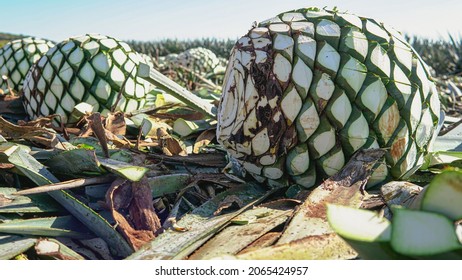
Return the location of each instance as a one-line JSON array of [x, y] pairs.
[[166, 184], [35, 171], [76, 162], [13, 245], [65, 226], [184, 127], [26, 204]]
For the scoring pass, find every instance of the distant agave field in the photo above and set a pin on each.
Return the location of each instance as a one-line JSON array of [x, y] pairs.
[[444, 56], [221, 48]]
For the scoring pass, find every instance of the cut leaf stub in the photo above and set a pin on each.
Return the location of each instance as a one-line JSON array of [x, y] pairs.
[[358, 224], [422, 233], [444, 195], [305, 90]]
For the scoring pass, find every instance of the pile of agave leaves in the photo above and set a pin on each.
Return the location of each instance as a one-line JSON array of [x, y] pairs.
[[154, 184]]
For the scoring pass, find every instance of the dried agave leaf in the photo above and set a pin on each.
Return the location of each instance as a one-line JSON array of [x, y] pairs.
[[201, 225], [170, 146], [39, 135], [320, 247], [265, 240], [234, 238], [344, 188], [203, 139], [96, 125], [228, 202], [66, 185], [398, 193], [141, 208], [308, 235], [115, 123], [135, 237]]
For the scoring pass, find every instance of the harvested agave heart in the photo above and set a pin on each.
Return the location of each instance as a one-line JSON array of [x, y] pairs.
[[95, 69], [201, 60], [306, 89], [16, 58]]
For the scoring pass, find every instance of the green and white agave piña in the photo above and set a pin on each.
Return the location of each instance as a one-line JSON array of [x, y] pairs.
[[200, 60], [95, 69], [306, 89], [16, 58], [167, 61]]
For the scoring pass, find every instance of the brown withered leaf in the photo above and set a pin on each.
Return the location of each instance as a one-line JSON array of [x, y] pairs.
[[203, 139], [265, 240], [193, 116], [141, 209], [41, 121], [228, 202], [6, 165], [116, 140], [39, 135], [115, 123], [170, 146], [121, 192], [136, 238], [138, 158], [80, 249], [9, 130], [96, 125], [9, 103]]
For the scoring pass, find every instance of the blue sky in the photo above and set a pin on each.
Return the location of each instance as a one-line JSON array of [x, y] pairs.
[[152, 20]]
